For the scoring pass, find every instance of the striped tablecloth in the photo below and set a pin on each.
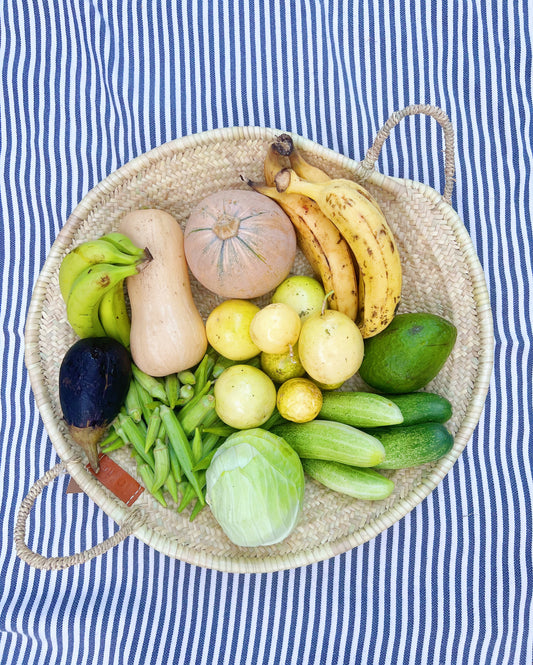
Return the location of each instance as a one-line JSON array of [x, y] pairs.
[[88, 85]]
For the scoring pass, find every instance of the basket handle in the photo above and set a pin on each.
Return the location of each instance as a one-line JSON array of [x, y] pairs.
[[60, 562], [368, 163]]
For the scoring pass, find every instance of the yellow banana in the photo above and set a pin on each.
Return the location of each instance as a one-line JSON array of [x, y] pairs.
[[284, 146], [305, 170], [273, 164], [322, 245], [113, 314], [86, 293], [319, 239], [87, 254], [361, 222]]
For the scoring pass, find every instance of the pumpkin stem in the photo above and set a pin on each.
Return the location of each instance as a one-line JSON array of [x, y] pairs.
[[226, 227]]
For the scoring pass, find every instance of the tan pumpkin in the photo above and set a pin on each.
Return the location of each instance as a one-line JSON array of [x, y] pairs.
[[239, 244], [167, 332]]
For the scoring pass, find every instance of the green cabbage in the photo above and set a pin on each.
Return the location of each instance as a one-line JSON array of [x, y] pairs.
[[255, 488]]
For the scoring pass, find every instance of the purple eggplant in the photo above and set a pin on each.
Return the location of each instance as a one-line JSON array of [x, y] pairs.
[[94, 378]]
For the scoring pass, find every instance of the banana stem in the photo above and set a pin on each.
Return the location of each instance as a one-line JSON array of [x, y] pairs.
[[288, 181], [283, 145], [283, 180]]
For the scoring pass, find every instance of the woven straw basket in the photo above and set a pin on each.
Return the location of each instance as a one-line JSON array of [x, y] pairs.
[[442, 275]]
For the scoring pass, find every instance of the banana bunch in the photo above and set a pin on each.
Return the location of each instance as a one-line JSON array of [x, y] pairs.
[[91, 281], [343, 232], [320, 241]]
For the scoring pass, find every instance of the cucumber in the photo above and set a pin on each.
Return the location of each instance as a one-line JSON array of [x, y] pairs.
[[422, 407], [332, 441], [359, 409], [412, 445], [358, 483]]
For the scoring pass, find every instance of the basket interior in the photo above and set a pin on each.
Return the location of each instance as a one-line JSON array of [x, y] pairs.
[[438, 277]]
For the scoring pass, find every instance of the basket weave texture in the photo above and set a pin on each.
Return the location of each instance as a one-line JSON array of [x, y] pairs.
[[442, 275]]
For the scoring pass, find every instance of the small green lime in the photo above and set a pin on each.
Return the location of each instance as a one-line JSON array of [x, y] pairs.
[[281, 367]]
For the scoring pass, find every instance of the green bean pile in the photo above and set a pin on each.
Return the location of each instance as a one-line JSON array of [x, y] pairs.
[[173, 430]]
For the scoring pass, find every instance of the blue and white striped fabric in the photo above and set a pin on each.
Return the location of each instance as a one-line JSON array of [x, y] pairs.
[[86, 86]]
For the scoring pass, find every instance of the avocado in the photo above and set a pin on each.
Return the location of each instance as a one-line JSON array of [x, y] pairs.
[[408, 354]]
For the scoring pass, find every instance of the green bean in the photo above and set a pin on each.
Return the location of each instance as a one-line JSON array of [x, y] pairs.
[[202, 372], [198, 414], [211, 418], [209, 441], [151, 384], [182, 413], [133, 403], [161, 464], [187, 377], [174, 463], [152, 432], [255, 361], [275, 419], [222, 364], [204, 462], [147, 476], [198, 507], [187, 495], [114, 445], [146, 400], [186, 393], [110, 437], [172, 487], [136, 437], [196, 445], [218, 429], [172, 389], [180, 443]]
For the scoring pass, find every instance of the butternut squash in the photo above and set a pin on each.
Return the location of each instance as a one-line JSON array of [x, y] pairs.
[[239, 244], [167, 331]]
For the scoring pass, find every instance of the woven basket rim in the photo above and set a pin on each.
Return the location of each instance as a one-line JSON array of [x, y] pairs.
[[120, 512]]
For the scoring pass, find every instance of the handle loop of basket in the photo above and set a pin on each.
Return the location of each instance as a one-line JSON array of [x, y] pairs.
[[58, 563], [366, 166]]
